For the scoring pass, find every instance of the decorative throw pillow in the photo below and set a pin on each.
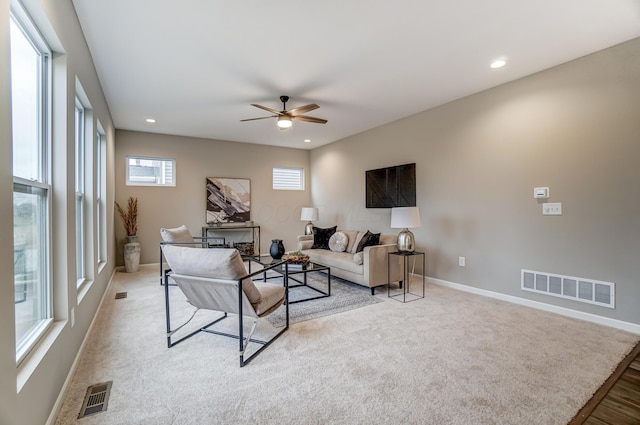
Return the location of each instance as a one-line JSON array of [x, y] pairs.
[[321, 237], [357, 258], [177, 234], [351, 237], [353, 246], [338, 242], [302, 245], [369, 239]]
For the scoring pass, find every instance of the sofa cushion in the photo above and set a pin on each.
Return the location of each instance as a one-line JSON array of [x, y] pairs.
[[305, 244], [338, 260], [338, 242], [356, 241], [351, 236], [321, 237], [369, 239]]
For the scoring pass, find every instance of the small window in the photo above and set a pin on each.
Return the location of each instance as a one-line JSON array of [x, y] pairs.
[[288, 178], [146, 171]]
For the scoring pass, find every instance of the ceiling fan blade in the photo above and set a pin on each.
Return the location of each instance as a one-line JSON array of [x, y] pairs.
[[273, 111], [309, 119], [302, 109], [261, 118]]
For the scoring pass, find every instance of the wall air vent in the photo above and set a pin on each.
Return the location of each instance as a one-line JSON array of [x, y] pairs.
[[574, 288]]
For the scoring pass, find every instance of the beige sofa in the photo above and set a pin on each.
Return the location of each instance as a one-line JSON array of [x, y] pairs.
[[367, 268]]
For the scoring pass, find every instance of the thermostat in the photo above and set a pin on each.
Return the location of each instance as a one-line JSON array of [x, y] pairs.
[[541, 192]]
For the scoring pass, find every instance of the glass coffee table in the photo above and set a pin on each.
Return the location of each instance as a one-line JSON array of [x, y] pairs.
[[297, 275]]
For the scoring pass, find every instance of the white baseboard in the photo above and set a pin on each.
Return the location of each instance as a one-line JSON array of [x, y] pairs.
[[594, 318]]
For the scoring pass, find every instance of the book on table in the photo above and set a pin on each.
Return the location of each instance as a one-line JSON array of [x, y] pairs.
[[297, 266]]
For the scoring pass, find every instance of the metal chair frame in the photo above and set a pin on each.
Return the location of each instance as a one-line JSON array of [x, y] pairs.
[[243, 341]]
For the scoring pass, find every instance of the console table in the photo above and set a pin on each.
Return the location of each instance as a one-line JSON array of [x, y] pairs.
[[245, 234]]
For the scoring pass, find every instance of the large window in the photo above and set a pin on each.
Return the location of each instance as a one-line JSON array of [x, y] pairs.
[[101, 213], [147, 171], [285, 178], [30, 100], [80, 192]]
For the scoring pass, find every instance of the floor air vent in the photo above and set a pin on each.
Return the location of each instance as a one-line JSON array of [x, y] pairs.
[[96, 399], [120, 295], [574, 288]]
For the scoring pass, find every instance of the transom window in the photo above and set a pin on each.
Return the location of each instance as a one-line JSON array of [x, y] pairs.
[[148, 171], [286, 178]]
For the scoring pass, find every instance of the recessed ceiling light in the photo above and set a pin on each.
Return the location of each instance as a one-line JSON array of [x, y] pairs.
[[151, 120], [498, 63], [307, 140]]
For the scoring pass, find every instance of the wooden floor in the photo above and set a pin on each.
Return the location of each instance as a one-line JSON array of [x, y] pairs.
[[617, 402]]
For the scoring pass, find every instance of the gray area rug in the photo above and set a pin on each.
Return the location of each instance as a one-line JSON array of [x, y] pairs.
[[345, 296]]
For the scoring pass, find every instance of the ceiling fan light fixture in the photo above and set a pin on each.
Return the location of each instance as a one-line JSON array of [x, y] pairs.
[[284, 122]]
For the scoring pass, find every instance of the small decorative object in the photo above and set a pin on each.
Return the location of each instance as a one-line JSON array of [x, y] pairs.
[[216, 242], [296, 257], [130, 222], [277, 249], [130, 217], [309, 214], [245, 248], [403, 218], [131, 257]]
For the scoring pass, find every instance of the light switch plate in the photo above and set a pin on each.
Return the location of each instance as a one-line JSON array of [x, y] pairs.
[[552, 208]]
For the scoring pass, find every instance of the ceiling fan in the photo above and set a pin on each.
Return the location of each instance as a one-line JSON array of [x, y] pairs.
[[285, 117]]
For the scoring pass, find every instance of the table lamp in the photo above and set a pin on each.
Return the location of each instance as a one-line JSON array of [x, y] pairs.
[[309, 214], [404, 218]]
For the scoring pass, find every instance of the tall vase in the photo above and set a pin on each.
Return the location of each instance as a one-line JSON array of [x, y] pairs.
[[277, 249], [131, 257]]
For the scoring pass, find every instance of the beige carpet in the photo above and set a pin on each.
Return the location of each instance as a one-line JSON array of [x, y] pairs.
[[451, 358]]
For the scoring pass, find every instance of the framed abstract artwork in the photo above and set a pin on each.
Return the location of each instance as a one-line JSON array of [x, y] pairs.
[[228, 200]]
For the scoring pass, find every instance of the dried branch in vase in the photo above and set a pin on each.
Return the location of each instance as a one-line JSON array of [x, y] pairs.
[[130, 217]]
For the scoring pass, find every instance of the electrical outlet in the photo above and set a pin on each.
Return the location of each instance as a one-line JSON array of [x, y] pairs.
[[461, 261], [552, 208]]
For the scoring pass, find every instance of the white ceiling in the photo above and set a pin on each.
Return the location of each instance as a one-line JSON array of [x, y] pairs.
[[197, 65]]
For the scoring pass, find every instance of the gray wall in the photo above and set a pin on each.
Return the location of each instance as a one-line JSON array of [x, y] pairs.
[[574, 128], [276, 211], [29, 391]]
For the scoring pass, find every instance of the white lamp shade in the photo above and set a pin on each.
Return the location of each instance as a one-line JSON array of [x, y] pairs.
[[405, 217], [309, 214]]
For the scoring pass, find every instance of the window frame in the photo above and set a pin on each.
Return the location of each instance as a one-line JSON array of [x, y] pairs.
[[100, 202], [80, 191], [26, 342]]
